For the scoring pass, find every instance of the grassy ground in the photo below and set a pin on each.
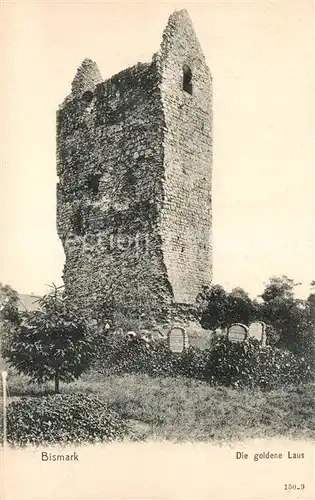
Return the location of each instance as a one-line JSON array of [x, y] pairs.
[[182, 409]]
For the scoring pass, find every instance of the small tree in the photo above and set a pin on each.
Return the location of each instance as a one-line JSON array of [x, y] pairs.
[[51, 343], [290, 317], [279, 286], [9, 299], [9, 314], [240, 307], [219, 309], [213, 303]]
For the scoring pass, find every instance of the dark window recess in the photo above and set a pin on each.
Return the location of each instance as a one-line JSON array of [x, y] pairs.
[[187, 79], [78, 222], [87, 96], [93, 183], [130, 177]]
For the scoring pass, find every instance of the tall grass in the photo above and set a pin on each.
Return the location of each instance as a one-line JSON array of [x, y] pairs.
[[181, 409]]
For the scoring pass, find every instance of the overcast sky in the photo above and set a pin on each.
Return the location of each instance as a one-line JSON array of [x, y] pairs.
[[261, 57]]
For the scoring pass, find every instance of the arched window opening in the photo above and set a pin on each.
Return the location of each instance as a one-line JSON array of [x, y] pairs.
[[187, 79]]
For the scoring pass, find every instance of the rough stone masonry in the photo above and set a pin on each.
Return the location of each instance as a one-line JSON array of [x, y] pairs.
[[134, 165]]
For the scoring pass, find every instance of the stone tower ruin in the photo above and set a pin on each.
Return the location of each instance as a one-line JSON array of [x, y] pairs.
[[134, 165]]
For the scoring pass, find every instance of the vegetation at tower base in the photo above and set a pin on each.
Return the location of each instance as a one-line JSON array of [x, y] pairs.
[[51, 343], [55, 341], [290, 325], [137, 388], [243, 364]]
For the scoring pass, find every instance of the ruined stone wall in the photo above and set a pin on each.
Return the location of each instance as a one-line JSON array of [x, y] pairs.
[[110, 167], [187, 214], [134, 158]]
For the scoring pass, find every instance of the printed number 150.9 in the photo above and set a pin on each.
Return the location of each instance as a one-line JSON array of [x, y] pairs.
[[288, 487]]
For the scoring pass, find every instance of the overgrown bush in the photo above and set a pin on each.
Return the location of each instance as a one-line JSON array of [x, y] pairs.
[[66, 418], [249, 364], [226, 363], [120, 353]]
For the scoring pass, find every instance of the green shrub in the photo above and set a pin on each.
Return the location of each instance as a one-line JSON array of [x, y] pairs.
[[242, 364], [249, 364], [120, 353], [66, 418], [232, 364]]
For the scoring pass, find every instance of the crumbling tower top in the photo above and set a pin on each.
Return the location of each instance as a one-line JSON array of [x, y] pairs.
[[87, 77]]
